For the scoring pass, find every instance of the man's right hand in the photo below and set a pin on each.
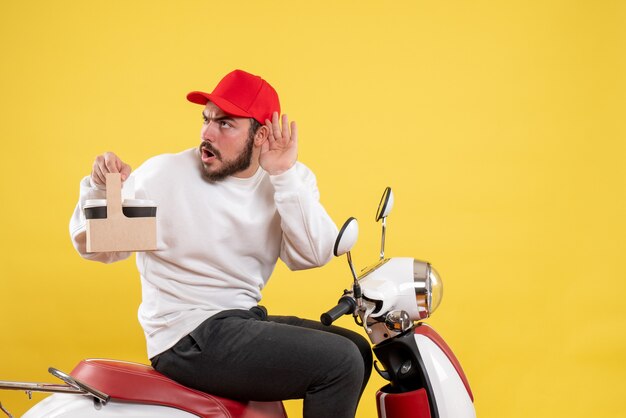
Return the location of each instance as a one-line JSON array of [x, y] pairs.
[[108, 163]]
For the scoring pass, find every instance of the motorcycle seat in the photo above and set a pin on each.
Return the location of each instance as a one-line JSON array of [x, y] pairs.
[[139, 383]]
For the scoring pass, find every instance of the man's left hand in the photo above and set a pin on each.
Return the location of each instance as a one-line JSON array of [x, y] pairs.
[[280, 150]]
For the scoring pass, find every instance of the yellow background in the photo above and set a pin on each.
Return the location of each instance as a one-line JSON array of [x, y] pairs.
[[499, 125]]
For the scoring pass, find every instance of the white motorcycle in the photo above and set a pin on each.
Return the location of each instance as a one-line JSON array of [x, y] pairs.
[[389, 299], [426, 379]]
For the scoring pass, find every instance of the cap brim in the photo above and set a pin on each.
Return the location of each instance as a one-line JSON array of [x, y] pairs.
[[202, 98]]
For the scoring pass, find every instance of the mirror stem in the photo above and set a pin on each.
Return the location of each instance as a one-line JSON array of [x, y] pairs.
[[351, 265], [382, 241], [356, 287]]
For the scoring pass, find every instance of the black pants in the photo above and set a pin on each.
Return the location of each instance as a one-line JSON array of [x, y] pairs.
[[248, 355]]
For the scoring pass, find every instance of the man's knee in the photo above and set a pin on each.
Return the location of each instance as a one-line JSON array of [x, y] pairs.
[[363, 346], [344, 360]]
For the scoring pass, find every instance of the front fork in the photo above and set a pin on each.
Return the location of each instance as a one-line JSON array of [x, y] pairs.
[[409, 393]]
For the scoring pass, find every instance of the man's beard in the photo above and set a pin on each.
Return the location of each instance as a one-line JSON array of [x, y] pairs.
[[229, 168]]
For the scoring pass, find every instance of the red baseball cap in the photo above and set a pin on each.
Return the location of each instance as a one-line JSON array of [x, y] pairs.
[[241, 94]]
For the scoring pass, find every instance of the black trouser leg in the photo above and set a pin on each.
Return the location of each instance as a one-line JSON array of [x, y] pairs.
[[362, 344], [244, 355]]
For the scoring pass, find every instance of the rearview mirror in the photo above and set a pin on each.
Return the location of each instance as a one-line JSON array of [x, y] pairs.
[[385, 205], [347, 237]]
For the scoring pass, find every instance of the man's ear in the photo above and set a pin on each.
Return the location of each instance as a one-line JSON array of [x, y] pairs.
[[261, 135]]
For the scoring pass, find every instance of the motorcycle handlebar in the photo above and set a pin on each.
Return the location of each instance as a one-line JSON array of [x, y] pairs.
[[345, 305]]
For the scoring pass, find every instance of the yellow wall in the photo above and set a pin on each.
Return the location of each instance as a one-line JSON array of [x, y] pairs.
[[500, 126]]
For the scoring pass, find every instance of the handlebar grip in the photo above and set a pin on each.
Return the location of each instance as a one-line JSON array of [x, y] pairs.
[[346, 305]]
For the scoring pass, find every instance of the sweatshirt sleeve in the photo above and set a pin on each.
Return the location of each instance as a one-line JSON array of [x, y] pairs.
[[78, 225], [308, 232]]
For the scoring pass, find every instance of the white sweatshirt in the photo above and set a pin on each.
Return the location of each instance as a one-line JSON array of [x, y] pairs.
[[217, 243]]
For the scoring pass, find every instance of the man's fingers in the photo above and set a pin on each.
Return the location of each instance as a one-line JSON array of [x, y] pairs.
[[270, 129], [96, 175], [280, 151], [281, 132], [276, 127], [294, 132], [125, 171], [285, 132], [112, 162], [109, 163], [99, 170]]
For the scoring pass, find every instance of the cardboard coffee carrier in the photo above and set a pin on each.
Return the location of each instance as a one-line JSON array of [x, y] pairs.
[[113, 226]]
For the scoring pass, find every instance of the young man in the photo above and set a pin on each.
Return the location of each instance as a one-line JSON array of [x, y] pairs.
[[227, 210]]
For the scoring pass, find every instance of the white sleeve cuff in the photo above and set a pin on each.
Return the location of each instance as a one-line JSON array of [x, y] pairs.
[[289, 181]]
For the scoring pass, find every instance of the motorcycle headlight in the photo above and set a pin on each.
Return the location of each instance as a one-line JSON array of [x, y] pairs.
[[428, 288]]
